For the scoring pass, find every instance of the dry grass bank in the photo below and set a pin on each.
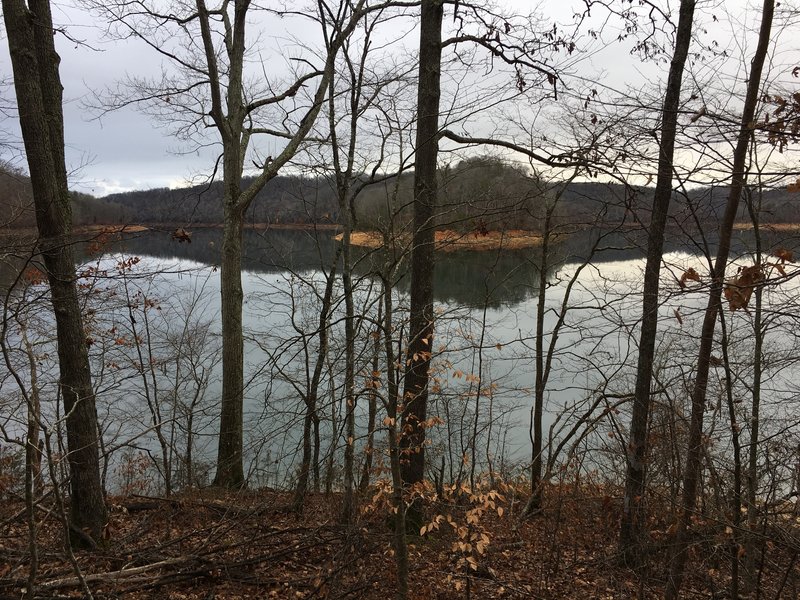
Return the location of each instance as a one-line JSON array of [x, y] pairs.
[[452, 241]]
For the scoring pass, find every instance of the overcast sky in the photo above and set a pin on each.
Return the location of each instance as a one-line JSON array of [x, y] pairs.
[[126, 150]]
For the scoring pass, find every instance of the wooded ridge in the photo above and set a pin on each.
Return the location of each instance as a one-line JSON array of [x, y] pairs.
[[476, 193]]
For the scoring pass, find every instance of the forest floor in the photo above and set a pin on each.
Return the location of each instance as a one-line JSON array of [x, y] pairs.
[[208, 544]]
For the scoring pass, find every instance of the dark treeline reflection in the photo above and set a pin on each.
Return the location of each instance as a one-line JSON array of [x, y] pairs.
[[269, 251], [468, 278], [493, 278], [471, 279]]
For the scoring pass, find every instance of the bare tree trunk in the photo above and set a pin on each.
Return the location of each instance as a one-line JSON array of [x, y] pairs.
[[150, 387], [330, 461], [373, 407], [230, 111], [695, 449], [312, 394], [349, 370], [420, 342], [230, 465], [736, 497], [33, 464], [39, 98], [539, 389], [395, 463], [631, 539], [33, 443], [317, 445], [753, 535]]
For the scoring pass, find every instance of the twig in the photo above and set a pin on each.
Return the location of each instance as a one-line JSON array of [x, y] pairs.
[[114, 576]]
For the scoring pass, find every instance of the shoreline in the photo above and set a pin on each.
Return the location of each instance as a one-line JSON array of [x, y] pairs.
[[99, 229], [448, 240]]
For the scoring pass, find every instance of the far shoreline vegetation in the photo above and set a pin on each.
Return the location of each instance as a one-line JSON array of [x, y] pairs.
[[482, 195]]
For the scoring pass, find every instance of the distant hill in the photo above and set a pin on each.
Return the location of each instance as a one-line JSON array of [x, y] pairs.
[[475, 193], [479, 193], [16, 203], [285, 199], [16, 198]]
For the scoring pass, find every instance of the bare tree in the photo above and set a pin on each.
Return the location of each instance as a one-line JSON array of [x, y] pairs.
[[420, 333], [739, 174], [29, 28], [213, 92], [632, 524]]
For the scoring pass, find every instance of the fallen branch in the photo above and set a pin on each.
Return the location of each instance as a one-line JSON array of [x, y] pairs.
[[116, 576]]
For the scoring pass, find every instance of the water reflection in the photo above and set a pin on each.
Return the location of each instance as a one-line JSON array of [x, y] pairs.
[[494, 278], [595, 349]]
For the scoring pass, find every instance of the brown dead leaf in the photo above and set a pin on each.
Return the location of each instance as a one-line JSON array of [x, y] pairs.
[[688, 275], [182, 235], [783, 255], [739, 289]]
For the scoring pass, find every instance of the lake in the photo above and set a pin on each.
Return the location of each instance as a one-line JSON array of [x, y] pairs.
[[153, 307]]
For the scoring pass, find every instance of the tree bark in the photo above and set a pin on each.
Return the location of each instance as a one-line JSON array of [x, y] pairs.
[[631, 539], [696, 446], [392, 388], [39, 99], [541, 378], [228, 115], [230, 464], [752, 474], [372, 410], [420, 344]]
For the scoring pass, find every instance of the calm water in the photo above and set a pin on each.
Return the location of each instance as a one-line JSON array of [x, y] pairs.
[[167, 299]]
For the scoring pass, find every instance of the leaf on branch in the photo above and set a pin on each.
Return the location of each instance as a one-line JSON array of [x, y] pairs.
[[739, 289], [783, 255], [181, 235], [779, 267], [33, 275], [678, 317], [688, 275]]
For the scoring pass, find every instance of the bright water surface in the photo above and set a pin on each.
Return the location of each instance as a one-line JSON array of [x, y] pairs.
[[484, 345]]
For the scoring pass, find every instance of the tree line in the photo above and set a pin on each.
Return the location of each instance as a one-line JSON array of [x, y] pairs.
[[476, 192]]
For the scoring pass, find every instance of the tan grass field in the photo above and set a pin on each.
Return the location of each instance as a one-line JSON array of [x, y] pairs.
[[768, 226]]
